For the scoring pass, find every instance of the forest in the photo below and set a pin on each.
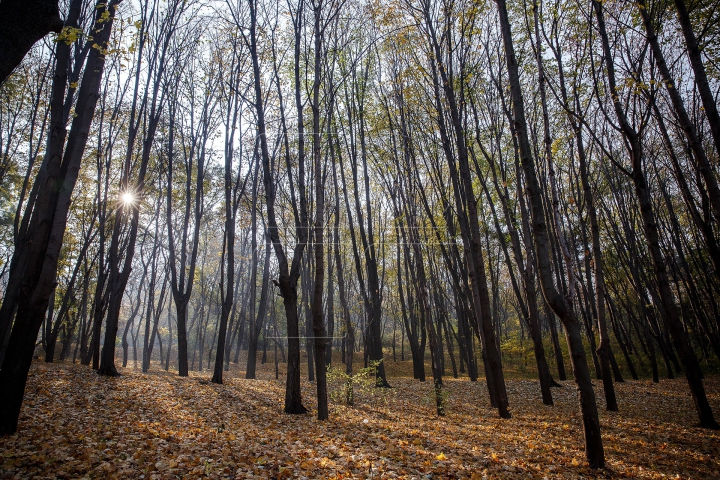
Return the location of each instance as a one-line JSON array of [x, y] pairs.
[[351, 209]]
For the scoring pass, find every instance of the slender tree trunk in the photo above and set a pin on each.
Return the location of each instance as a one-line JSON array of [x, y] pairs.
[[330, 299], [307, 294], [472, 238], [318, 325], [349, 340], [701, 81], [603, 351], [288, 276], [262, 313], [561, 306]]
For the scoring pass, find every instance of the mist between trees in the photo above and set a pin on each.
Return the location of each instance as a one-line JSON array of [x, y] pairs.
[[451, 181]]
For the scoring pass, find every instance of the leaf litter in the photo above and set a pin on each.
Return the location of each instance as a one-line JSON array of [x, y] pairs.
[[77, 424]]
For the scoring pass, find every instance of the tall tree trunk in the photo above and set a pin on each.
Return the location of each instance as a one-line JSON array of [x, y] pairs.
[[330, 299], [288, 275], [147, 115], [318, 325], [528, 305], [42, 240], [49, 169], [349, 340], [561, 306], [462, 180], [603, 350]]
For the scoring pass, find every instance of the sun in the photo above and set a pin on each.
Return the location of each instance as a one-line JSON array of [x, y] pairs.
[[127, 198]]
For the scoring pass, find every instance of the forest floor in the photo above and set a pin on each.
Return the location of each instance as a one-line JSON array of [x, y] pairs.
[[76, 424]]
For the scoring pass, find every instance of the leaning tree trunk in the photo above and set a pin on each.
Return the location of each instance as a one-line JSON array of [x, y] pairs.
[[527, 305], [603, 350], [701, 81], [48, 170], [462, 181], [561, 306], [43, 239]]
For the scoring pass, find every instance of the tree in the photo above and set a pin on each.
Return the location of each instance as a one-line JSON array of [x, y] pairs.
[[233, 190], [35, 260], [560, 305], [650, 227], [147, 114], [22, 23], [288, 274]]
